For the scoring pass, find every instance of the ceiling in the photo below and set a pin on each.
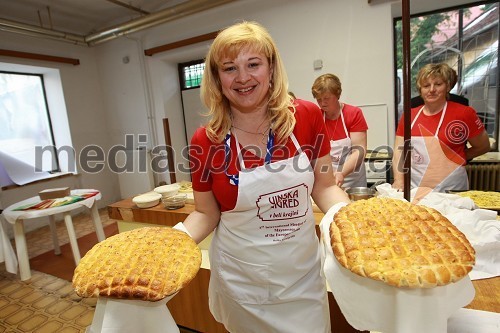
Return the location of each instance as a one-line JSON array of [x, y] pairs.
[[89, 22]]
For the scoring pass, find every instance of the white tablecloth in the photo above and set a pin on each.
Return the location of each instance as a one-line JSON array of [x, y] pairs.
[[7, 253], [12, 216]]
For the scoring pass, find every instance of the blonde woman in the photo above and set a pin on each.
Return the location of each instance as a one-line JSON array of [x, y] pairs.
[[254, 167], [444, 135]]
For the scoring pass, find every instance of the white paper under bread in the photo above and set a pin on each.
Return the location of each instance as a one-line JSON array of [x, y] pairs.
[[372, 305], [131, 316]]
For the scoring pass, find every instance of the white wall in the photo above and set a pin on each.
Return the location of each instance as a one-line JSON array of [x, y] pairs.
[[83, 97], [304, 31], [107, 98]]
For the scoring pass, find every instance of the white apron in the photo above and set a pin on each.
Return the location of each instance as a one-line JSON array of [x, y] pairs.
[[340, 151], [422, 150], [265, 255]]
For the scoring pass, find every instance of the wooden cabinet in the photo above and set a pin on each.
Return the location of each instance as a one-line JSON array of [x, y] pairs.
[[189, 307]]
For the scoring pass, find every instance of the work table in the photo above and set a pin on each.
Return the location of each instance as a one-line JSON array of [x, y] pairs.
[[127, 211]]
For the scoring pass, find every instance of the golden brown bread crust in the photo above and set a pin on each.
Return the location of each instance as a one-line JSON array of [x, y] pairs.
[[401, 244], [483, 199], [146, 264]]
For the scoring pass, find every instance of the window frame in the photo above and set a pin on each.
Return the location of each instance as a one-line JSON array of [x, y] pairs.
[[55, 165], [182, 73], [68, 162]]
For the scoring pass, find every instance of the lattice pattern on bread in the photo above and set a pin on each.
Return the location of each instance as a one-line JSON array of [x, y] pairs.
[[147, 264], [399, 243]]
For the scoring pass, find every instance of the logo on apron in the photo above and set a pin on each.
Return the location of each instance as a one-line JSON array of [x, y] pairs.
[[284, 204], [417, 158]]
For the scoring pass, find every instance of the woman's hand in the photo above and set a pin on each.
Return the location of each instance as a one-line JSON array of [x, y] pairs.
[[479, 145], [355, 158], [339, 178], [203, 220], [398, 185]]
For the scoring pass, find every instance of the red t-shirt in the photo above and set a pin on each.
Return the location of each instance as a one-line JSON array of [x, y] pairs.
[[207, 159], [354, 122], [459, 124]]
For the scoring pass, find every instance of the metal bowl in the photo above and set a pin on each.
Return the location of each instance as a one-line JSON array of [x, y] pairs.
[[360, 193]]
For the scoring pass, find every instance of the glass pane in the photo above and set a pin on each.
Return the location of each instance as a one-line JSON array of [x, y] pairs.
[[479, 82], [24, 118], [193, 75]]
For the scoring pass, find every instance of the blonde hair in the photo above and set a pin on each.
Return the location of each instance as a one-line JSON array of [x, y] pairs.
[[227, 44], [326, 83], [441, 70]]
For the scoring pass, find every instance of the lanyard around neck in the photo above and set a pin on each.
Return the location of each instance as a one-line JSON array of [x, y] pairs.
[[234, 179]]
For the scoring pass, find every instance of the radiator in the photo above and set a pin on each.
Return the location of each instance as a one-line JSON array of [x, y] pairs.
[[484, 176]]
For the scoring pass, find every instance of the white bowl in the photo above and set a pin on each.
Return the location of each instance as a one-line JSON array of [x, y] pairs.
[[147, 200], [168, 190]]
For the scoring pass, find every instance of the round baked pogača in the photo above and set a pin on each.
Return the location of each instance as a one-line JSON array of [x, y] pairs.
[[146, 264], [399, 243]]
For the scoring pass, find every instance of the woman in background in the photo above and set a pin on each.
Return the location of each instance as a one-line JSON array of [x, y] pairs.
[[440, 130], [346, 127], [254, 167]]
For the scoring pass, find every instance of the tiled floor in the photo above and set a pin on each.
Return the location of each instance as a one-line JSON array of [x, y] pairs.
[[45, 303]]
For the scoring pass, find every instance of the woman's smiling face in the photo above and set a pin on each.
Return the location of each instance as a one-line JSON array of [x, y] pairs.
[[245, 80]]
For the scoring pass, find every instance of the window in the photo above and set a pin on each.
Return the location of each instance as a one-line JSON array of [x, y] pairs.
[[34, 127], [467, 39], [190, 74], [25, 120]]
